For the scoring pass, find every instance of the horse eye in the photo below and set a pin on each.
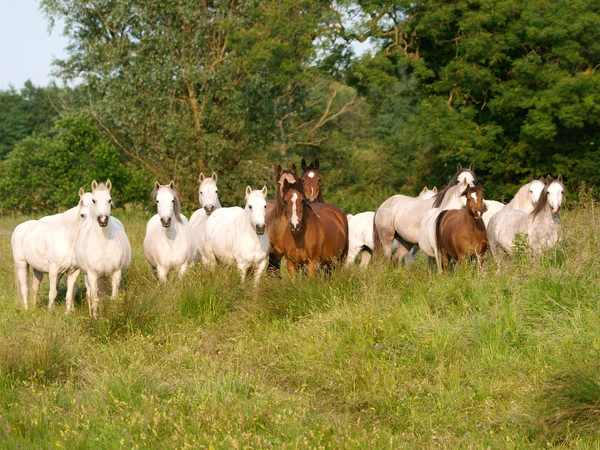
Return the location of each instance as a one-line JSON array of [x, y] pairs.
[[82, 215], [201, 192], [250, 206], [93, 201], [173, 201], [265, 206], [216, 191]]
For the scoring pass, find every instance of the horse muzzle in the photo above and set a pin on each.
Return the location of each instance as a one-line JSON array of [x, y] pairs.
[[478, 214], [103, 221], [260, 229], [208, 209], [555, 209], [165, 222], [295, 227]]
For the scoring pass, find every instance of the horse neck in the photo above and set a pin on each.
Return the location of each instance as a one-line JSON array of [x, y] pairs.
[[71, 218], [218, 204], [106, 233], [299, 236], [452, 199], [469, 220]]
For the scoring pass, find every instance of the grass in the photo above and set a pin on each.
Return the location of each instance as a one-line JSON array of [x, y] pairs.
[[375, 358]]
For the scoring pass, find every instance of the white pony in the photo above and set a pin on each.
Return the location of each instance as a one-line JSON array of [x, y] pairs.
[[48, 246], [542, 225], [525, 200], [400, 216], [168, 243], [238, 236], [360, 232], [208, 195], [102, 248]]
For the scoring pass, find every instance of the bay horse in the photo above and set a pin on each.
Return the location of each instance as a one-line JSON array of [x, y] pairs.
[[461, 233], [275, 217], [316, 235], [311, 179]]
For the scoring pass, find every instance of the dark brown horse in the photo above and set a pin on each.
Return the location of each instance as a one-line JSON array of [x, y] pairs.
[[461, 232], [311, 178], [316, 235], [275, 217]]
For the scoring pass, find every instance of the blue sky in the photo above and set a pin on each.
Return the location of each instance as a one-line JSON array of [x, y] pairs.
[[26, 46]]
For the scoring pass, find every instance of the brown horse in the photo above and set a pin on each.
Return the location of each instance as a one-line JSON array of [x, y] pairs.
[[275, 217], [316, 235], [461, 232], [311, 178]]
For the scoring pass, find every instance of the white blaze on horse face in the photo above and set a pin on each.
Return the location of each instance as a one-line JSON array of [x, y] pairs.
[[535, 189], [165, 203], [467, 177], [474, 195], [101, 205], [555, 196], [311, 174], [208, 194], [294, 220], [255, 210]]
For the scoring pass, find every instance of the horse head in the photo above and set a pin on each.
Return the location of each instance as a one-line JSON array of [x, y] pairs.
[[85, 203], [428, 193], [167, 203], [282, 174], [311, 179], [555, 191], [256, 207], [208, 193], [293, 202], [101, 202], [467, 175], [535, 190], [475, 203]]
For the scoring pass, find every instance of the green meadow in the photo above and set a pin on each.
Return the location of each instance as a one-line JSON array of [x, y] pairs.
[[378, 358]]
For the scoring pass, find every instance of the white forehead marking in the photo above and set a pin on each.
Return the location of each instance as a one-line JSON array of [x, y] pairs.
[[474, 195], [294, 211], [311, 174], [294, 197]]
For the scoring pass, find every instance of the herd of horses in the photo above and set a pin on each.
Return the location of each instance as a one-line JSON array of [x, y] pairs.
[[455, 223]]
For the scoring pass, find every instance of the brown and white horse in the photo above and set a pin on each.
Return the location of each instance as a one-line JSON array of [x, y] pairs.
[[311, 179]]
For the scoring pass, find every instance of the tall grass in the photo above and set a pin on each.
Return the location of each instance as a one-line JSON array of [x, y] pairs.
[[375, 358]]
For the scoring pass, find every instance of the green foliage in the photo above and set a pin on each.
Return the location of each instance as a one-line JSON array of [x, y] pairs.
[[44, 171]]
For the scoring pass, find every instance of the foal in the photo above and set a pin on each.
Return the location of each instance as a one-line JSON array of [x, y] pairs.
[[461, 232]]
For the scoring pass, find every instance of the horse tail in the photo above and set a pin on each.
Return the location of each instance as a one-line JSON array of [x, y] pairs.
[[438, 230], [377, 247]]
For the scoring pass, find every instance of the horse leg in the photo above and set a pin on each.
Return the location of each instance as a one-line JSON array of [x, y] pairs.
[[52, 276], [116, 283], [92, 293], [352, 252], [71, 280], [161, 273], [274, 261], [444, 258], [259, 271], [409, 259], [22, 269], [402, 251], [365, 257], [312, 267], [243, 267], [35, 284], [386, 239], [182, 270], [291, 268]]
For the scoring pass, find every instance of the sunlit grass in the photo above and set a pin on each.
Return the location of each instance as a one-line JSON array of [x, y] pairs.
[[377, 358]]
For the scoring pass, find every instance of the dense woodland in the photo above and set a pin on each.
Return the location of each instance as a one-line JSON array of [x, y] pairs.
[[165, 90]]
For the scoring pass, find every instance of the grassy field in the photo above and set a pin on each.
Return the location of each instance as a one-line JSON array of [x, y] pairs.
[[378, 358]]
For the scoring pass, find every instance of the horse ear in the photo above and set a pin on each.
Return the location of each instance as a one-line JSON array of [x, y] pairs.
[[201, 177], [560, 178], [248, 191], [435, 191], [108, 185], [349, 216], [156, 185], [458, 167], [472, 167], [316, 163], [424, 190], [303, 164], [214, 176], [542, 180], [279, 170], [172, 184], [81, 192], [531, 178], [549, 179], [94, 185], [264, 191], [294, 169]]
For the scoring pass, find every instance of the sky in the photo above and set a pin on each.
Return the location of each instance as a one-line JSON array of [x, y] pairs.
[[27, 47]]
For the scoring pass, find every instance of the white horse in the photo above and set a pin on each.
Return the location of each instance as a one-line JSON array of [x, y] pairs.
[[400, 216], [48, 246], [542, 225], [208, 195], [102, 248], [168, 243], [238, 236], [525, 200], [360, 232]]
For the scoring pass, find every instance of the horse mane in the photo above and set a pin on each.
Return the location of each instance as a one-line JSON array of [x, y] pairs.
[[176, 204], [439, 197], [101, 187], [542, 202]]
